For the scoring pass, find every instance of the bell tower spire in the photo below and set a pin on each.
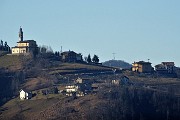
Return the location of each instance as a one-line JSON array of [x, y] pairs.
[[20, 34]]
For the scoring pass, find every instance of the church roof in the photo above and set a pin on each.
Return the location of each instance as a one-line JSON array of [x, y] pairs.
[[20, 47], [26, 41]]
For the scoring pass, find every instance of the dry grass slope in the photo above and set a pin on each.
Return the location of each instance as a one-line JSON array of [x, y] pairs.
[[27, 108], [77, 67], [12, 62]]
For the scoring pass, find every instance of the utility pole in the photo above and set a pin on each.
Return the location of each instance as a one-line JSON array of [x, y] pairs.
[[61, 49], [113, 56]]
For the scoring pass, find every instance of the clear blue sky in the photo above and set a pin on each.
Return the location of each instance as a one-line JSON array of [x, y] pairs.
[[133, 29]]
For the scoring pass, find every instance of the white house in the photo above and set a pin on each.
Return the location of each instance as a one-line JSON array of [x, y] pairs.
[[23, 94], [71, 88]]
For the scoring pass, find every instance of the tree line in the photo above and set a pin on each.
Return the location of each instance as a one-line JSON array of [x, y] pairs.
[[94, 59], [4, 46]]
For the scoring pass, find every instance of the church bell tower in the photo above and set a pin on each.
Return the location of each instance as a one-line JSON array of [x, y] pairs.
[[20, 34]]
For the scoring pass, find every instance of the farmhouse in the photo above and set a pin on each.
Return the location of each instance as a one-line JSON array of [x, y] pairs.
[[165, 67], [80, 88], [71, 90], [24, 94], [142, 67], [71, 56]]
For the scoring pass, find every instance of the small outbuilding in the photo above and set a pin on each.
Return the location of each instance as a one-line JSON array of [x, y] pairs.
[[84, 81], [124, 80]]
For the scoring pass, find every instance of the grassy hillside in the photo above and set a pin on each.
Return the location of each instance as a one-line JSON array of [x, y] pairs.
[[77, 68], [3, 53], [117, 63], [147, 98], [48, 76], [111, 102], [40, 72], [11, 62], [14, 62], [17, 109]]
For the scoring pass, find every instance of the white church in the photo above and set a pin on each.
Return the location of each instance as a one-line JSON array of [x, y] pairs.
[[24, 46]]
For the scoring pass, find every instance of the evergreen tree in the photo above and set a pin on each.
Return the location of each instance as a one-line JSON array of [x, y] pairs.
[[5, 44], [89, 59], [56, 53], [95, 59]]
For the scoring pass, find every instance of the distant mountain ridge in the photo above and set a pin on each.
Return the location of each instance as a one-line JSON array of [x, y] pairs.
[[117, 63]]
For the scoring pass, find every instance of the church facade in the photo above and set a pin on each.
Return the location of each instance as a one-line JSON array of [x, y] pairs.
[[24, 46]]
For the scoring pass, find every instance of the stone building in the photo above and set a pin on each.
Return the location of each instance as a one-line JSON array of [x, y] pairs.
[[71, 56], [142, 67], [165, 68]]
